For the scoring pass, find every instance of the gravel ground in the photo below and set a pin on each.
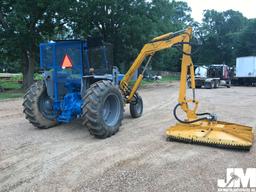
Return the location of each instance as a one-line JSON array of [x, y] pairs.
[[137, 158]]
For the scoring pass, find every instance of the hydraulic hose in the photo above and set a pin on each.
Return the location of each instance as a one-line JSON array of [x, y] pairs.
[[193, 121]]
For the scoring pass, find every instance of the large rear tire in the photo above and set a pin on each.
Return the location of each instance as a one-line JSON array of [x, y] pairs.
[[38, 106], [103, 109]]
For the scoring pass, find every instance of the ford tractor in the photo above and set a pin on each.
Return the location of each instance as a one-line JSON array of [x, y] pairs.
[[79, 81]]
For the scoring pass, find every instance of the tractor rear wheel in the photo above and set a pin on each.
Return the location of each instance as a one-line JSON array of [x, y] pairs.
[[103, 109], [38, 106]]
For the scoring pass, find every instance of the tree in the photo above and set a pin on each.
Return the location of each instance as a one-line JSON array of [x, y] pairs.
[[168, 16], [128, 24], [219, 34], [120, 22], [247, 40], [23, 25]]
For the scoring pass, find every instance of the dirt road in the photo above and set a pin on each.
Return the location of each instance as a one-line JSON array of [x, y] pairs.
[[137, 158]]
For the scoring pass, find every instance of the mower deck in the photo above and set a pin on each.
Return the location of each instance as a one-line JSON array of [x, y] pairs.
[[216, 133]]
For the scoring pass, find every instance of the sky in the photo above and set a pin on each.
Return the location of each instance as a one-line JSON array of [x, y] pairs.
[[246, 7]]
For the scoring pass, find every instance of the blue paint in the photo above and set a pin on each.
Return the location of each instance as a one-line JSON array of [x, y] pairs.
[[65, 85], [70, 107]]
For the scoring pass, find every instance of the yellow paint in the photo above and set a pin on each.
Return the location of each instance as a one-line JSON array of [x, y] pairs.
[[229, 135], [135, 87], [204, 131], [157, 44]]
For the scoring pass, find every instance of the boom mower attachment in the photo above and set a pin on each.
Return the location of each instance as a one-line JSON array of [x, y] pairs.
[[204, 130]]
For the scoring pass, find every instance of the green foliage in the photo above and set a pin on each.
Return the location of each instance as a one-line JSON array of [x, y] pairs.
[[246, 40], [38, 77], [225, 36], [11, 95], [18, 77], [127, 24], [170, 78], [23, 25], [10, 84], [165, 79]]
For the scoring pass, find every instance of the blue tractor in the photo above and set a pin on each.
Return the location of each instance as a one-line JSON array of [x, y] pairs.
[[79, 81]]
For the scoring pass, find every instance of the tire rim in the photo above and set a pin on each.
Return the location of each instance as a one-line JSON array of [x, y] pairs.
[[46, 107], [138, 106], [111, 110]]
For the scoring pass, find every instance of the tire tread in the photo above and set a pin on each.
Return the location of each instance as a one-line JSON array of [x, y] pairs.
[[90, 109]]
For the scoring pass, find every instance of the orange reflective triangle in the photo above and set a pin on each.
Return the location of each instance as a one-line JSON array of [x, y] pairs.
[[66, 62]]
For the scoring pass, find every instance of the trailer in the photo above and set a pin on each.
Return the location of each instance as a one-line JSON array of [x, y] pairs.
[[245, 72]]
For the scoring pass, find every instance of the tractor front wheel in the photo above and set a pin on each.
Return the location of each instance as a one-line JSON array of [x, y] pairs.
[[136, 107], [38, 106], [102, 109]]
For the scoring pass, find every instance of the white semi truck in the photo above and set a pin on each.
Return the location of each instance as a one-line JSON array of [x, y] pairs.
[[245, 72], [212, 76]]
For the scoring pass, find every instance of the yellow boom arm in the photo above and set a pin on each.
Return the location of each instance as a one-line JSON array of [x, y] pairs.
[[206, 129], [157, 44]]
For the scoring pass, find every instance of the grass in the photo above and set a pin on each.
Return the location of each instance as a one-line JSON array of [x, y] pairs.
[[170, 78], [165, 79], [12, 89], [10, 84], [11, 94]]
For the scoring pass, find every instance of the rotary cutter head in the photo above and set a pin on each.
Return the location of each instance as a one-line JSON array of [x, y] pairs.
[[212, 133]]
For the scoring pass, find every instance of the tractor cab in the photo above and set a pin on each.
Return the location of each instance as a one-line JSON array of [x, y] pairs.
[[78, 55], [70, 63], [70, 67]]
